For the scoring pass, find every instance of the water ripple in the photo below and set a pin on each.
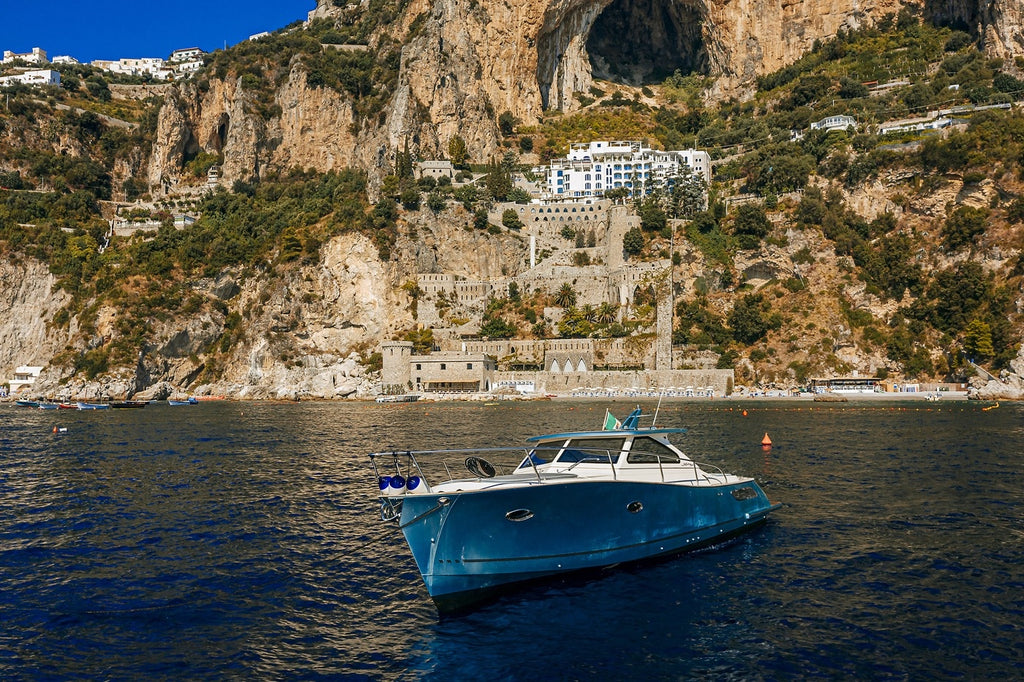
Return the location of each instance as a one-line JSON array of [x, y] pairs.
[[242, 541]]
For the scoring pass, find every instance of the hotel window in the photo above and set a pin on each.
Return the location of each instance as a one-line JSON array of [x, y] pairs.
[[418, 366], [443, 366]]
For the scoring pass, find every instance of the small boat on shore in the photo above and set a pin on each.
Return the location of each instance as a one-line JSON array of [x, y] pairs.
[[404, 398], [128, 404], [27, 403], [187, 401], [48, 406], [567, 502], [93, 406], [68, 406]]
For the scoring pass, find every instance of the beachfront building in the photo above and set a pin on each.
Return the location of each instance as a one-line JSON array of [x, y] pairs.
[[24, 377], [38, 77], [593, 168], [452, 372], [847, 385], [36, 56]]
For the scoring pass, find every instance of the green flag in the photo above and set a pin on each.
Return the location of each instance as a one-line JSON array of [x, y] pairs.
[[610, 422]]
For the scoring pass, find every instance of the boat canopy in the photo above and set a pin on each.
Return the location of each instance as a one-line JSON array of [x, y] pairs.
[[630, 427], [621, 433]]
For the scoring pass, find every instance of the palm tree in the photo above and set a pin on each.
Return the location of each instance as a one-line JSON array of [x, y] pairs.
[[589, 312], [606, 313], [566, 296]]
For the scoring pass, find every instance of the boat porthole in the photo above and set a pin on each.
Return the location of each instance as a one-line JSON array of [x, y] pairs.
[[635, 507], [519, 515]]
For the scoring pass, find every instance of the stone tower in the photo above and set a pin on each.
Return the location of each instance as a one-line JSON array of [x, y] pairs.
[[663, 356], [395, 373]]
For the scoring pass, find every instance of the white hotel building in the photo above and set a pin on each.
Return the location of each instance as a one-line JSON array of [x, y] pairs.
[[593, 168]]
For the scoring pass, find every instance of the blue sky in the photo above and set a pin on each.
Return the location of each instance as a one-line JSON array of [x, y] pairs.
[[112, 29]]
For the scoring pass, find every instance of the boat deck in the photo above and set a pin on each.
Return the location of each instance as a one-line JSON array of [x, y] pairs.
[[647, 475]]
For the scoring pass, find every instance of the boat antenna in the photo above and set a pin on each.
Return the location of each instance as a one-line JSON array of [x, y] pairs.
[[661, 394]]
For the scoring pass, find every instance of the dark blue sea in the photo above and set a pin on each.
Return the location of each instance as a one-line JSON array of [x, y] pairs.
[[242, 541]]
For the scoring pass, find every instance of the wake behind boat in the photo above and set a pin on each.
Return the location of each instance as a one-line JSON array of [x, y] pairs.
[[568, 502]]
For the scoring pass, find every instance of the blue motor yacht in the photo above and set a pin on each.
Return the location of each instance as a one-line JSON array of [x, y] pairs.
[[566, 502]]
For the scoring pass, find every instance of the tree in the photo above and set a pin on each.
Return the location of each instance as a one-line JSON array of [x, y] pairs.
[[750, 319], [497, 328], [499, 181], [978, 340], [410, 199], [963, 226], [422, 340], [688, 195], [507, 123], [751, 225], [574, 325], [458, 154], [510, 219], [652, 217], [606, 313], [566, 296], [403, 162], [436, 202], [633, 241], [480, 219]]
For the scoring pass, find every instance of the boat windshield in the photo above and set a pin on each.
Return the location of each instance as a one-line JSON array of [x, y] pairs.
[[646, 450], [592, 450]]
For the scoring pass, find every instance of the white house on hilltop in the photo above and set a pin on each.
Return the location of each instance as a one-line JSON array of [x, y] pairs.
[[593, 168], [36, 56], [154, 66], [831, 123], [186, 54], [39, 77]]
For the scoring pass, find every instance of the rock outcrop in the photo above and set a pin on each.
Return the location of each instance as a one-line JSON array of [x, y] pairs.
[[28, 334]]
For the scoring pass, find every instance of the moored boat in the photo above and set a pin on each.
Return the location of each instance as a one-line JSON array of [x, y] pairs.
[[403, 398], [567, 502], [27, 403], [93, 406], [48, 406], [188, 401], [128, 404]]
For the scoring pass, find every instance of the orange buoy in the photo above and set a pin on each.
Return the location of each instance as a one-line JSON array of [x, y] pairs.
[[55, 429], [744, 413], [766, 440]]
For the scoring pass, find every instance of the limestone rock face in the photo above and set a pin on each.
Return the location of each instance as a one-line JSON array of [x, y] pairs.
[[31, 299], [464, 64]]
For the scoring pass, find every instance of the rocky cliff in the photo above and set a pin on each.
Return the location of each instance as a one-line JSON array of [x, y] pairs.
[[463, 64]]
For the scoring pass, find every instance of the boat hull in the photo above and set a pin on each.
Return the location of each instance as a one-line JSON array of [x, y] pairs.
[[467, 549]]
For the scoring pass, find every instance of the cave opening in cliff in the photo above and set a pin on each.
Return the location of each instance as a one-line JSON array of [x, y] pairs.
[[644, 41]]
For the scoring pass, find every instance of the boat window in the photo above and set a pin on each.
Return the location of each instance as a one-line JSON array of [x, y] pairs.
[[591, 450], [646, 450], [537, 456]]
